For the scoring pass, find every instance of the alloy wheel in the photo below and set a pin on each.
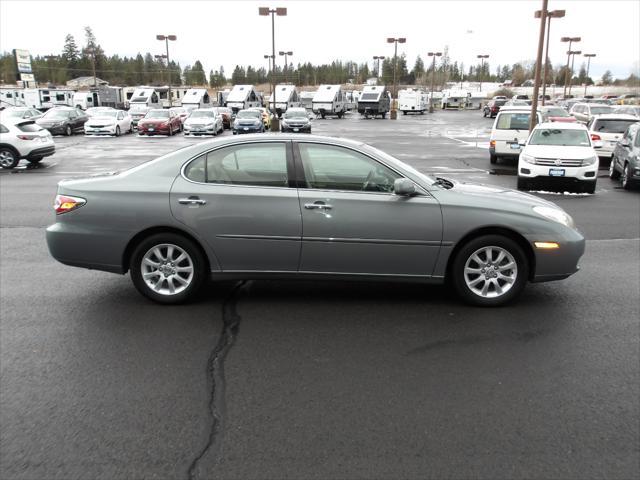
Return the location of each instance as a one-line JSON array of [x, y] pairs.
[[167, 269], [7, 159], [490, 272]]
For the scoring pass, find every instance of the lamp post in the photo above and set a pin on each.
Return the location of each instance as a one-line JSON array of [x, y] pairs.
[[566, 80], [533, 117], [481, 57], [573, 54], [265, 12], [268, 58], [589, 56], [286, 64], [377, 58], [394, 112], [166, 39], [160, 59], [433, 76], [550, 15]]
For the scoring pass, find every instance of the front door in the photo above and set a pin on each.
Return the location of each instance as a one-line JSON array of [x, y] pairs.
[[352, 223], [238, 198]]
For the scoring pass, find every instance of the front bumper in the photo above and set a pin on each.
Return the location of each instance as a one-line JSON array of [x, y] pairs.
[[296, 129], [559, 263], [57, 130], [110, 130], [159, 130], [247, 129], [205, 130], [571, 174]]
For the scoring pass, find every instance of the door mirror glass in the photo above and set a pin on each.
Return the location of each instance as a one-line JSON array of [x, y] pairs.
[[404, 187]]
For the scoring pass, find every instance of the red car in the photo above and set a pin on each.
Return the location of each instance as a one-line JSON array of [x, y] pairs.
[[555, 114], [159, 121]]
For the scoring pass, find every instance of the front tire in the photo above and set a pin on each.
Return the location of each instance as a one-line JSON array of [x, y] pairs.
[[489, 271], [8, 158], [68, 132], [168, 268], [613, 173], [117, 130], [626, 181], [524, 184]]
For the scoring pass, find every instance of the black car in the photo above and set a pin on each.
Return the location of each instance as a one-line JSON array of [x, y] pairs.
[[295, 120], [492, 108], [63, 120], [625, 162], [248, 121]]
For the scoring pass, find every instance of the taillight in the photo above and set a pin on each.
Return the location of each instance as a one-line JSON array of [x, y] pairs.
[[595, 137], [25, 137], [66, 203]]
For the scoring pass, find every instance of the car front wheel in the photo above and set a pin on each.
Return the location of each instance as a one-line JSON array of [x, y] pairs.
[[626, 181], [8, 158], [613, 173], [168, 268], [489, 271], [68, 131]]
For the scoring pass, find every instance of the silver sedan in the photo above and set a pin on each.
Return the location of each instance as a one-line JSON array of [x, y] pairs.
[[285, 206]]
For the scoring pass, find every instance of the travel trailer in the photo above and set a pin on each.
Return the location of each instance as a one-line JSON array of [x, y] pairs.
[[374, 100], [329, 100], [286, 97], [11, 97], [455, 99], [196, 98], [222, 97], [142, 100], [39, 98], [241, 97], [413, 100]]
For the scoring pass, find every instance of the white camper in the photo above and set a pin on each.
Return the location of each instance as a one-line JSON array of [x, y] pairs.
[[455, 99], [11, 97], [44, 98], [286, 97], [306, 99], [142, 100], [374, 100], [86, 99], [196, 98], [329, 100], [241, 97], [413, 100]]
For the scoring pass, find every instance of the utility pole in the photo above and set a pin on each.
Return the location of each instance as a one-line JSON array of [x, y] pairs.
[[536, 85], [281, 12], [166, 39], [550, 15], [589, 56], [482, 57], [573, 54], [566, 72], [394, 112], [433, 76]]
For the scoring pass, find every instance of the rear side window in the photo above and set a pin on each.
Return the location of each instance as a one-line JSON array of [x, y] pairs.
[[260, 165], [612, 126], [29, 127], [3, 129], [513, 121]]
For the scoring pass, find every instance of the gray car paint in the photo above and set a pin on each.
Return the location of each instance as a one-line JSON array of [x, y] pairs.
[[385, 235]]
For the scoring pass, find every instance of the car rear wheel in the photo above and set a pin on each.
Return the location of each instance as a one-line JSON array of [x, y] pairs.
[[489, 271], [8, 158], [167, 268], [68, 131], [613, 173], [117, 130], [626, 182]]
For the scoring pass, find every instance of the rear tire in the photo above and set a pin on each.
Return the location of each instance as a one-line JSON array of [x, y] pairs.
[[9, 158], [589, 187], [151, 259], [505, 274], [117, 130], [613, 173], [626, 181], [524, 184]]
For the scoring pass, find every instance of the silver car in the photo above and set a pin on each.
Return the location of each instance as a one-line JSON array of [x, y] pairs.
[[287, 206]]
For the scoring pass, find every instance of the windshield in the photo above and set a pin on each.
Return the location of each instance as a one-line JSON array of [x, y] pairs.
[[157, 114], [202, 114], [139, 100], [370, 96], [295, 114], [14, 113], [557, 112], [248, 114], [613, 126], [600, 110], [513, 121], [560, 137], [56, 114]]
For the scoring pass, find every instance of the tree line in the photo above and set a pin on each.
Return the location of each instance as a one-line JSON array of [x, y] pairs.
[[77, 61]]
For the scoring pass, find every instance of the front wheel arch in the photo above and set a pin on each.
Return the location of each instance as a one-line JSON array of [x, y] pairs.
[[506, 232], [141, 236]]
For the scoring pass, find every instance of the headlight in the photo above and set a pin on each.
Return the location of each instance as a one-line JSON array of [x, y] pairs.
[[528, 158], [555, 214], [590, 161]]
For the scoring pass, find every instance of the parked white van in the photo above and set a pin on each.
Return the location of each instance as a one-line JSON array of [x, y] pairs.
[[413, 100], [196, 98], [510, 131], [329, 100], [286, 97], [242, 97]]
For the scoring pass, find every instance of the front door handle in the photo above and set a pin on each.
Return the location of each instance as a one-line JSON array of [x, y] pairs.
[[317, 206], [192, 201]]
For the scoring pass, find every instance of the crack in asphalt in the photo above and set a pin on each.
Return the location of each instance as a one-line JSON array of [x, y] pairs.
[[215, 375]]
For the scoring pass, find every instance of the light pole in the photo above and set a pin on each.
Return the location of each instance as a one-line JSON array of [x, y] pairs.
[[265, 12], [377, 58], [566, 80], [573, 54], [550, 15], [589, 56], [286, 64], [160, 59], [394, 112], [533, 117], [433, 76], [481, 57], [166, 39], [268, 58]]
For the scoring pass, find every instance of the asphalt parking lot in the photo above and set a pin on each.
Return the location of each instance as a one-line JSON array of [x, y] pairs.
[[269, 379]]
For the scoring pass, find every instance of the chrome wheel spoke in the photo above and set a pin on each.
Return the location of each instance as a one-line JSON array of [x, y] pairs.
[[172, 288], [477, 260], [151, 274], [158, 285], [496, 286], [188, 269], [473, 271], [485, 289], [170, 253], [505, 278], [476, 281], [501, 256], [183, 281], [158, 253], [151, 263], [508, 266]]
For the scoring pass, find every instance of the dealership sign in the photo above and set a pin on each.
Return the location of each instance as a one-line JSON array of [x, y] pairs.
[[23, 61]]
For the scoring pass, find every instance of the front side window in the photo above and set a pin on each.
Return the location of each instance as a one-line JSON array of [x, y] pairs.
[[329, 167], [637, 142], [257, 164]]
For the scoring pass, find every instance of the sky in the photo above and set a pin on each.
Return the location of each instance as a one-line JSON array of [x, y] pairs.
[[230, 33]]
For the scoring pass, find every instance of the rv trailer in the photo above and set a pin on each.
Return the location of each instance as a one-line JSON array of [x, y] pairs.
[[329, 100], [374, 100]]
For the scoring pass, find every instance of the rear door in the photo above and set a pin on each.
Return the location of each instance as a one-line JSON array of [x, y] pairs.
[[239, 198], [352, 223]]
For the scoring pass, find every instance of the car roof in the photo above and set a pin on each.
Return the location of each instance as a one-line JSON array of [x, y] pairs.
[[561, 126]]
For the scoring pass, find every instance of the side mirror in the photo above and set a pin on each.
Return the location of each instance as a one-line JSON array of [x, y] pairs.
[[625, 143], [404, 187]]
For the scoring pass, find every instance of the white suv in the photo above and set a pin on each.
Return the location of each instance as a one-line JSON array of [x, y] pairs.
[[510, 130], [558, 153], [608, 129], [23, 139]]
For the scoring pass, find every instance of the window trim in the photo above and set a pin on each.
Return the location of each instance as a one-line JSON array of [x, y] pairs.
[[289, 164]]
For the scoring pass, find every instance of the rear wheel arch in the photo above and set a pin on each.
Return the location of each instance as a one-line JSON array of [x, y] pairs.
[[144, 234], [506, 232], [10, 147]]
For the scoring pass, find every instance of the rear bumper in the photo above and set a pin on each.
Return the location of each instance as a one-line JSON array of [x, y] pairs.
[[41, 152]]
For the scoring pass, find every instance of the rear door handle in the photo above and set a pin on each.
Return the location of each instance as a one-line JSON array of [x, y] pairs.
[[317, 206], [192, 201]]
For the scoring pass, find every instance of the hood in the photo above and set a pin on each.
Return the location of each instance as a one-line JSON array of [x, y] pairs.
[[101, 120], [199, 121], [296, 120], [485, 192], [567, 153]]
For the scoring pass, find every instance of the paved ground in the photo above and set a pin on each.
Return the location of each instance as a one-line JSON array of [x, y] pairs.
[[318, 380]]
